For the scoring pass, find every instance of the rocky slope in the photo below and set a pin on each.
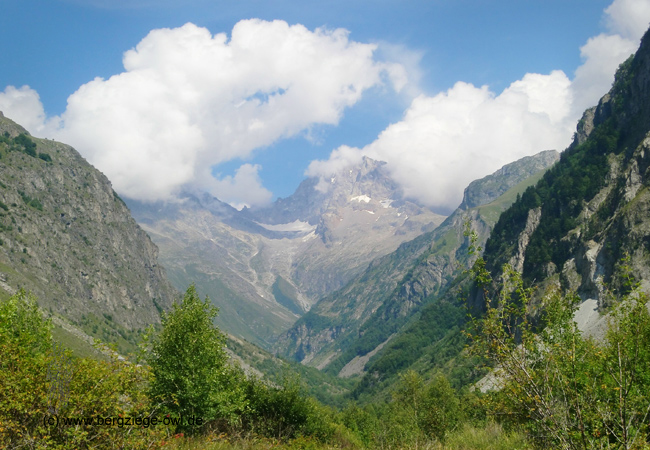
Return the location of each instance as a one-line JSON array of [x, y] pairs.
[[66, 236], [344, 330], [264, 268], [583, 227], [592, 210]]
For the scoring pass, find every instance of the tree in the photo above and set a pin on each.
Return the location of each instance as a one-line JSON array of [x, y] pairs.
[[441, 412], [192, 377]]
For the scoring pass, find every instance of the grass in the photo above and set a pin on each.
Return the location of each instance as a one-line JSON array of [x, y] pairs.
[[490, 437], [78, 346], [493, 210], [250, 443]]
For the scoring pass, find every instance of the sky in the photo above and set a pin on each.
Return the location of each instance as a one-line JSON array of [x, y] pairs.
[[246, 98]]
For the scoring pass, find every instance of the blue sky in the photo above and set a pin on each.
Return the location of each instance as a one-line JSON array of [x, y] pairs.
[[414, 55]]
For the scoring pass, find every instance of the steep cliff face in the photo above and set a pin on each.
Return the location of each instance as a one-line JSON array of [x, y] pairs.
[[354, 321], [66, 236], [592, 209]]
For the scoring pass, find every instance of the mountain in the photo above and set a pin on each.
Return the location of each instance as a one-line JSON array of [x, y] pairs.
[[265, 267], [587, 222], [67, 236], [345, 329], [583, 227]]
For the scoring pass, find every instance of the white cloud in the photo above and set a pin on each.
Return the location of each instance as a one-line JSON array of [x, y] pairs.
[[602, 55], [189, 100], [24, 106], [243, 189], [628, 18], [446, 141], [406, 73]]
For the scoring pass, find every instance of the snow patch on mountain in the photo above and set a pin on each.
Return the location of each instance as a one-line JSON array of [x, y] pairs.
[[296, 225], [361, 198]]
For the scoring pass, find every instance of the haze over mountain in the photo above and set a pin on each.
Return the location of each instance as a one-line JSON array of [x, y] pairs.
[[266, 267]]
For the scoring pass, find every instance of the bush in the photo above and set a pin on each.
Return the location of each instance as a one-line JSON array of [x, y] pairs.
[[441, 413], [45, 157], [568, 391], [28, 145], [191, 373], [41, 385]]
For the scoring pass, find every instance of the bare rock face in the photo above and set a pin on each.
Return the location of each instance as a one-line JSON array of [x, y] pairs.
[[517, 261], [66, 236]]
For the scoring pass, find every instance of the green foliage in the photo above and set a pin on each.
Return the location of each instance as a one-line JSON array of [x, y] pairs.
[[26, 143], [442, 411], [45, 157], [434, 409], [488, 437], [41, 385], [283, 412], [561, 193], [33, 202], [436, 333], [420, 414], [22, 324], [191, 374], [568, 391]]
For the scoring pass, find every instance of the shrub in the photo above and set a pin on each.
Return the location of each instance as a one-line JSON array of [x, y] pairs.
[[45, 157], [568, 391], [191, 374], [28, 145], [41, 385]]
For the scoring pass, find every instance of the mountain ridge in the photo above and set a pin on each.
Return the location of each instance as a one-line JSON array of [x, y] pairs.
[[394, 286], [67, 236], [265, 267], [587, 214]]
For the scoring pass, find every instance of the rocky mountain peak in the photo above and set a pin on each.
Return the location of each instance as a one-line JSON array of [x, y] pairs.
[[264, 267], [317, 196]]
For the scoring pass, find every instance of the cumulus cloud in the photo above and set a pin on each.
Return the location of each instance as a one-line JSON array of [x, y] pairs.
[[24, 106], [189, 100], [628, 18], [445, 141], [602, 55], [243, 189]]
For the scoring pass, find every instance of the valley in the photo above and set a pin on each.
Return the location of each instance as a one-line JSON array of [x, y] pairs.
[[348, 314]]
